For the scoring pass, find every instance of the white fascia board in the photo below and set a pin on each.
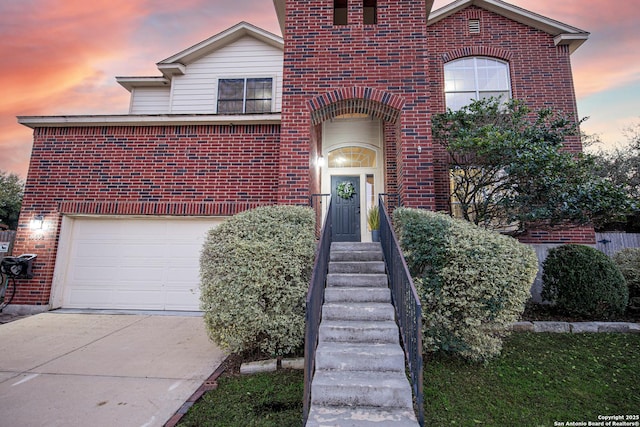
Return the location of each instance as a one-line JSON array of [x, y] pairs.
[[129, 83], [173, 69], [574, 41], [148, 120]]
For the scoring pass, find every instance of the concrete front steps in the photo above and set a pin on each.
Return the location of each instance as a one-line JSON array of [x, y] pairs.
[[360, 375]]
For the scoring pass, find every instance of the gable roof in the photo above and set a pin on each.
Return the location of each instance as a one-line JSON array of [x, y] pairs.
[[176, 64], [563, 34]]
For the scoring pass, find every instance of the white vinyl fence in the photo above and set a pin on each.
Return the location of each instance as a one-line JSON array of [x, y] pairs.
[[610, 243]]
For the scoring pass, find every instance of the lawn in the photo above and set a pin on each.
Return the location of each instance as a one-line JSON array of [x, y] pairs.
[[540, 380]]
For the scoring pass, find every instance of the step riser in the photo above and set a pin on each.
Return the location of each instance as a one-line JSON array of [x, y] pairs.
[[359, 267], [357, 280], [329, 334], [381, 295], [355, 256], [360, 417], [375, 362], [342, 312], [355, 395], [355, 246]]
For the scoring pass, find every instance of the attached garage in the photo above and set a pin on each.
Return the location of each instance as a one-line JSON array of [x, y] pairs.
[[132, 263]]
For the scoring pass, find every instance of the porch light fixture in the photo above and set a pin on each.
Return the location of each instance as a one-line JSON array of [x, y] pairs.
[[37, 223], [320, 162]]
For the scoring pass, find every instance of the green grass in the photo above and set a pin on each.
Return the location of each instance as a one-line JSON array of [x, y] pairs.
[[266, 400], [539, 379]]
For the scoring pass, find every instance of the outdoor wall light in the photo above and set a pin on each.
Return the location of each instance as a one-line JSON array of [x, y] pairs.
[[37, 223], [320, 162]]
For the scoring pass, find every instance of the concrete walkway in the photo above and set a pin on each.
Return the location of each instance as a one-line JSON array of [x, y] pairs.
[[101, 370]]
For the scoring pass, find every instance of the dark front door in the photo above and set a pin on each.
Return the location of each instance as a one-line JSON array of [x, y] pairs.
[[346, 210]]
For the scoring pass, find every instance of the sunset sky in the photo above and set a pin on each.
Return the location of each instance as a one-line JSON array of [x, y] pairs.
[[61, 56]]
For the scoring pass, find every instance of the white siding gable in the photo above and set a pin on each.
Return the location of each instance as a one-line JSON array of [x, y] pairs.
[[196, 91]]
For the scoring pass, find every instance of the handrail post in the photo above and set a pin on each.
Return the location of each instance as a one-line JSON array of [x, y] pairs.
[[315, 298], [407, 305]]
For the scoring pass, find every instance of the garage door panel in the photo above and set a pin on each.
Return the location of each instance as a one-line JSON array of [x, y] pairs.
[[127, 263], [181, 301]]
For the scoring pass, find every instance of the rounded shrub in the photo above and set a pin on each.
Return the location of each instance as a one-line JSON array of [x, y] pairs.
[[472, 282], [582, 281], [628, 261], [255, 270]]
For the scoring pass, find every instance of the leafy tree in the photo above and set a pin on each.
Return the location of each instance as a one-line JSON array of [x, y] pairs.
[[509, 168], [621, 167], [11, 192]]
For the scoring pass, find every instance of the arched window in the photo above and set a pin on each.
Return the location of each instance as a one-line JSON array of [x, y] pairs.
[[475, 78], [352, 157]]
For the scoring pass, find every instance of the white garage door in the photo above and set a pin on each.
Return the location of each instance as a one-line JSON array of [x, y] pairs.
[[145, 264]]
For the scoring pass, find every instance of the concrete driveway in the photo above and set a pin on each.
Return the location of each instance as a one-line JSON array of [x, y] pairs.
[[101, 370]]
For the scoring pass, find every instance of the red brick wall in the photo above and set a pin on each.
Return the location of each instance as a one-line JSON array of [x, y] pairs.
[[171, 170], [540, 75], [375, 62]]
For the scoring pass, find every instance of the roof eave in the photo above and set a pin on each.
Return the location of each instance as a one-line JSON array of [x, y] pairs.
[[222, 39], [34, 122], [518, 14], [574, 41], [130, 83]]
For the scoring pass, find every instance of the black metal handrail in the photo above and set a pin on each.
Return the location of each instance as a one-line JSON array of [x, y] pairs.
[[406, 303], [315, 298], [391, 200]]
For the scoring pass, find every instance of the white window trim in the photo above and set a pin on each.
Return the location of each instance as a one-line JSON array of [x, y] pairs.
[[244, 95], [476, 90]]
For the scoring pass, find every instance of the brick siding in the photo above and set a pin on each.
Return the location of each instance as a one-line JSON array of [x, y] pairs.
[[540, 75], [163, 170], [331, 70]]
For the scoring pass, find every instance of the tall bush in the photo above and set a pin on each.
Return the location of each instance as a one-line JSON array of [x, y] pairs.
[[255, 270], [582, 281], [628, 261], [472, 282]]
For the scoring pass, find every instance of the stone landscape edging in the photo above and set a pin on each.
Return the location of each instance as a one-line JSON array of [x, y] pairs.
[[577, 327]]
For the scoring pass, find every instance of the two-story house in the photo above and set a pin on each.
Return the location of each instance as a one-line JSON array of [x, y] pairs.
[[116, 206]]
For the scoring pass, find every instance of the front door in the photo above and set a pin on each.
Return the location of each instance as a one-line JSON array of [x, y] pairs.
[[346, 208]]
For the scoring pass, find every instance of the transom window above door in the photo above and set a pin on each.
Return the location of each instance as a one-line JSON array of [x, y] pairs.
[[352, 157], [246, 95], [475, 78]]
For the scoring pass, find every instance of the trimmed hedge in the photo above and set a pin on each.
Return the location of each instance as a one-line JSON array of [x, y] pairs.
[[255, 270], [582, 281], [628, 261], [472, 282]]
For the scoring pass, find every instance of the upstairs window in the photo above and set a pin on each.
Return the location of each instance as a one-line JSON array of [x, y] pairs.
[[370, 12], [340, 12], [248, 95], [475, 78]]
